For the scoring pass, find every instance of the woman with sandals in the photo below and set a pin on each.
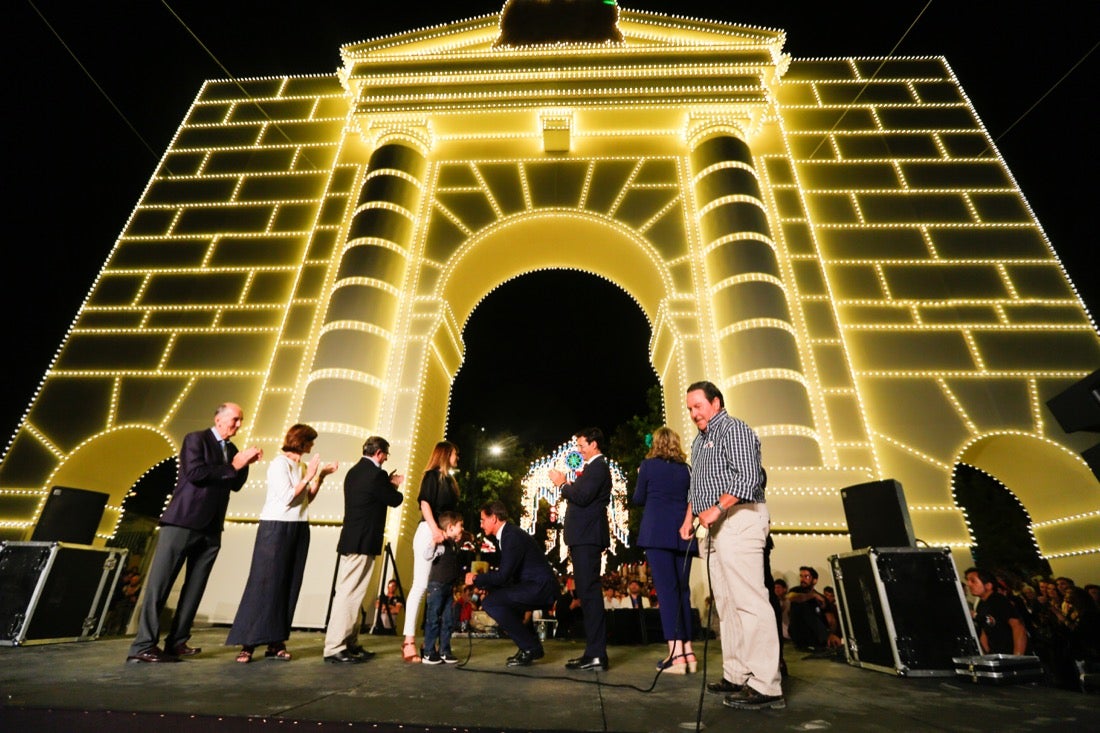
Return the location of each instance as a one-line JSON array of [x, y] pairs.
[[438, 493], [279, 556], [662, 490]]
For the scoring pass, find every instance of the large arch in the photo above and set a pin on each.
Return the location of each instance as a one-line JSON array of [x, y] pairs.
[[112, 462], [1037, 470]]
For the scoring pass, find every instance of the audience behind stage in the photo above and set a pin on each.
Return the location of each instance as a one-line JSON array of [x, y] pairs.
[[1062, 622], [814, 623]]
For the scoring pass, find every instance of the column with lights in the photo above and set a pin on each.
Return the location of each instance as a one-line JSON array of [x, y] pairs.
[[761, 373], [349, 368]]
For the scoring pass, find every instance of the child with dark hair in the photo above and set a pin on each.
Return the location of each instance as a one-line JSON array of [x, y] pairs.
[[445, 572]]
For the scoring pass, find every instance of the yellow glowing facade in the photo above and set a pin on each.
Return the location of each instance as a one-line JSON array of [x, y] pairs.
[[835, 242]]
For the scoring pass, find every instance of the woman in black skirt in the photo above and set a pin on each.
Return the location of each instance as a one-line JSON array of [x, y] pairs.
[[279, 556]]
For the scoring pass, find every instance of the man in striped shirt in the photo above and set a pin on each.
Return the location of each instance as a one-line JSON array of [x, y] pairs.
[[727, 498]]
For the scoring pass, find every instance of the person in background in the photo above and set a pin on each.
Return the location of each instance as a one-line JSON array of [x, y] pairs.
[[1000, 628], [389, 605]]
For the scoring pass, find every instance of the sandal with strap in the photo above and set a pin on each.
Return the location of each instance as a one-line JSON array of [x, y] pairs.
[[278, 652], [408, 652], [245, 656]]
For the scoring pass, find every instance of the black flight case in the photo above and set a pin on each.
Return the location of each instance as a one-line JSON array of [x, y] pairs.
[[903, 610], [55, 591]]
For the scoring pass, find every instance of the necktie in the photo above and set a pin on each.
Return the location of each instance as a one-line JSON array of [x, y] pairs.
[[225, 450]]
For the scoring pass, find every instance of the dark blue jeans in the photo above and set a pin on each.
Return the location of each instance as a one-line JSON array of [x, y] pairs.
[[438, 617]]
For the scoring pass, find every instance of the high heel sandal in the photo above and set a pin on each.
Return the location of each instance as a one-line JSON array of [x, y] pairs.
[[671, 666], [692, 662], [408, 652], [245, 656]]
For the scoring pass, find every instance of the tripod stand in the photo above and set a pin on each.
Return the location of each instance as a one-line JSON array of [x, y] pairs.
[[387, 563]]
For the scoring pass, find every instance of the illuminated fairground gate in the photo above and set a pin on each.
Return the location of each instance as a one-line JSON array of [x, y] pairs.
[[847, 257]]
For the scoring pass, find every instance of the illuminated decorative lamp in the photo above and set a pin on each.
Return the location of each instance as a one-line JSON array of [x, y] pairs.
[[548, 22]]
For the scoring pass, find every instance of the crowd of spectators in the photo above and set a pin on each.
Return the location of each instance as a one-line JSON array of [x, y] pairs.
[[1062, 621]]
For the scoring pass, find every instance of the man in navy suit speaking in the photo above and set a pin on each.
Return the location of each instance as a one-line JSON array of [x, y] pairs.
[[191, 532], [587, 534]]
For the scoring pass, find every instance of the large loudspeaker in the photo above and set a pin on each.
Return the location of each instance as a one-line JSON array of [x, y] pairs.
[[1078, 406], [877, 515], [70, 515]]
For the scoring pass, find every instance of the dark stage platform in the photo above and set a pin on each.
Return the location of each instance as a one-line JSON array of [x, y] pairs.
[[87, 686]]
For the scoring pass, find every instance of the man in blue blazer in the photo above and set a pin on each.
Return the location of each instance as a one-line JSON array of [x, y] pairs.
[[210, 467], [587, 535], [523, 581]]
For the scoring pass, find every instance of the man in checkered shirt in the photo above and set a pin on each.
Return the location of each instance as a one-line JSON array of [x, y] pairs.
[[727, 498]]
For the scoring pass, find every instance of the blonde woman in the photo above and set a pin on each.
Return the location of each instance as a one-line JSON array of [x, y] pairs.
[[662, 490], [438, 493]]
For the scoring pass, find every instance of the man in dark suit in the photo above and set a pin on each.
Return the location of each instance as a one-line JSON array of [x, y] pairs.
[[523, 581], [191, 532], [368, 493], [587, 535]]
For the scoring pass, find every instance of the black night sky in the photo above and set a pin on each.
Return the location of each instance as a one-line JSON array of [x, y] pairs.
[[74, 166]]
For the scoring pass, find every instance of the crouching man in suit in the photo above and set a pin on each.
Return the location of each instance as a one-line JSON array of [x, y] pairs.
[[523, 581]]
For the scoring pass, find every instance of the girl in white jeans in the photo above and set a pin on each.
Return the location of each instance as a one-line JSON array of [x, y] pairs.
[[438, 493]]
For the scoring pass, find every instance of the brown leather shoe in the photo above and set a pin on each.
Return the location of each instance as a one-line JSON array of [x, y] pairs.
[[152, 655], [182, 650]]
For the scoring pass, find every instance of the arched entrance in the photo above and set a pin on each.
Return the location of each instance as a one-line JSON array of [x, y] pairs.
[[1036, 471]]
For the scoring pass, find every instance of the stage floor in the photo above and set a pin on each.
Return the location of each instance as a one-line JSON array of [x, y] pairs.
[[76, 686]]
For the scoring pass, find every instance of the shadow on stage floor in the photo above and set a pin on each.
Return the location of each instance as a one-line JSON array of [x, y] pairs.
[[87, 686]]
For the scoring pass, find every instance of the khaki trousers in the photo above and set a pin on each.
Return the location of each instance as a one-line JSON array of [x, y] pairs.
[[352, 575], [734, 551]]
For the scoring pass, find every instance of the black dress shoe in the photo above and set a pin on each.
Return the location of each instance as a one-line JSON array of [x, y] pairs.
[[152, 655], [536, 653], [342, 657], [182, 650], [358, 651], [526, 657], [725, 687], [587, 663]]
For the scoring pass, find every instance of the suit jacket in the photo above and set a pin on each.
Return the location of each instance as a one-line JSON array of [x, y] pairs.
[[522, 561], [368, 494], [588, 497], [205, 481], [662, 489]]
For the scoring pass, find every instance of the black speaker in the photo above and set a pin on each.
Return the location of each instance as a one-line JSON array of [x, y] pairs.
[[1078, 406], [877, 515], [70, 515]]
